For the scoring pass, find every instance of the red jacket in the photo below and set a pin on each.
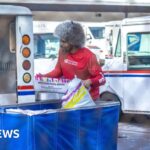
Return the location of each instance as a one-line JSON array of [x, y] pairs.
[[84, 65]]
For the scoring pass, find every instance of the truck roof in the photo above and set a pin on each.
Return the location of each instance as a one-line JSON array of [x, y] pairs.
[[136, 20], [44, 26], [14, 10]]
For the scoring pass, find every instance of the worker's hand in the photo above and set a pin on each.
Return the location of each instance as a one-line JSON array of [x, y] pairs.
[[38, 76], [87, 83]]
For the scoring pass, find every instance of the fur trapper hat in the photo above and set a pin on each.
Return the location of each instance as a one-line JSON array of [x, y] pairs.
[[72, 32]]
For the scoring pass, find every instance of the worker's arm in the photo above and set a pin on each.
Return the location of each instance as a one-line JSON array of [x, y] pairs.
[[97, 77], [55, 73]]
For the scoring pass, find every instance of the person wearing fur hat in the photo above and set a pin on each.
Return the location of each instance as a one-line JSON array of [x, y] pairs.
[[75, 59]]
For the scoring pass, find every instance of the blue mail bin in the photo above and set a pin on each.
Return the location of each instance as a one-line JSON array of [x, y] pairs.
[[90, 128]]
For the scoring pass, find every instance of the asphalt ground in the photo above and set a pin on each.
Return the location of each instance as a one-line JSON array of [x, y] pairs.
[[134, 132]]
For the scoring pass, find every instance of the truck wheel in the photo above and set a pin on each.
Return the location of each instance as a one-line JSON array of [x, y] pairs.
[[111, 97], [108, 96]]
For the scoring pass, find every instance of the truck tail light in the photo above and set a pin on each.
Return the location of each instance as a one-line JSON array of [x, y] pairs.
[[26, 52], [25, 39], [27, 77], [26, 65]]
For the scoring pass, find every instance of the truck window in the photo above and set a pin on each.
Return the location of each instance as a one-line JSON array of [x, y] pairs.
[[97, 32], [138, 50], [46, 46]]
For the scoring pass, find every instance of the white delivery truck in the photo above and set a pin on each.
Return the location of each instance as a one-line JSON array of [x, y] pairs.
[[127, 72], [16, 55], [127, 63]]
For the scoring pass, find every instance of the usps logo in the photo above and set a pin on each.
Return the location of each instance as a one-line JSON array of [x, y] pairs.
[[71, 62]]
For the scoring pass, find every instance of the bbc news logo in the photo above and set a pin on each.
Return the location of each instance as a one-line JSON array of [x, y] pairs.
[[9, 134]]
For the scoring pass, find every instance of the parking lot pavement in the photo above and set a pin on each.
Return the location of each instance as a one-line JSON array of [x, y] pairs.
[[133, 136]]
